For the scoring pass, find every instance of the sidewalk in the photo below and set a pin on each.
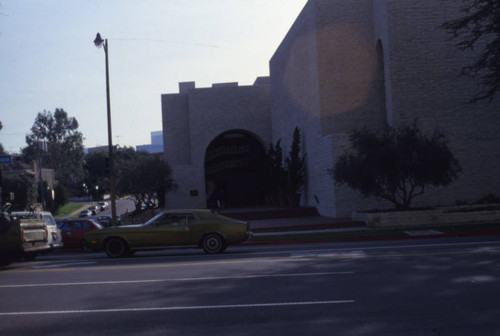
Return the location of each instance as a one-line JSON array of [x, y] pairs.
[[83, 207], [323, 229]]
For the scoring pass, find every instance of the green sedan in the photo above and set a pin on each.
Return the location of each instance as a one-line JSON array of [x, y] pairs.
[[172, 228]]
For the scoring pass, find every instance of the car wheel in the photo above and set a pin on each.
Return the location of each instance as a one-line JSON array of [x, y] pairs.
[[116, 248], [213, 243], [4, 261], [28, 256]]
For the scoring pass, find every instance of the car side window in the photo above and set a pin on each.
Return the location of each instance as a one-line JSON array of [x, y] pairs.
[[164, 220], [172, 219], [85, 225], [80, 225], [65, 226]]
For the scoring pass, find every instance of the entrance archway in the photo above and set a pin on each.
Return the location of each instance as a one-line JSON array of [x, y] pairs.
[[234, 170]]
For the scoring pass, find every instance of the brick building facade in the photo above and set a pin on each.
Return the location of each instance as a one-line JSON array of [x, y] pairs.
[[344, 65]]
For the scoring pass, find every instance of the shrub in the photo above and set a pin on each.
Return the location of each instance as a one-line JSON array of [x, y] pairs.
[[396, 164]]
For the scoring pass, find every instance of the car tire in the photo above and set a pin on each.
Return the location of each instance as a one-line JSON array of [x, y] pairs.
[[116, 248], [213, 243], [28, 256], [5, 261]]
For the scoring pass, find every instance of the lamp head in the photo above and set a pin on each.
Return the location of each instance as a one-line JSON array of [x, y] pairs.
[[98, 41]]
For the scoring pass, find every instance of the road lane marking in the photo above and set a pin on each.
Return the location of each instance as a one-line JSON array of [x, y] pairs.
[[146, 266], [346, 255], [368, 248], [177, 308], [65, 265], [125, 282]]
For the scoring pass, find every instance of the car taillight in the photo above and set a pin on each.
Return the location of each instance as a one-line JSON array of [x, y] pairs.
[[22, 235]]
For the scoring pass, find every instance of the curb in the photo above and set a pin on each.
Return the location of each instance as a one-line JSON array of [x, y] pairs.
[[327, 226], [353, 239]]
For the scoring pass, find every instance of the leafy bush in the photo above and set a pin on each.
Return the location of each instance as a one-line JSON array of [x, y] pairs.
[[396, 164]]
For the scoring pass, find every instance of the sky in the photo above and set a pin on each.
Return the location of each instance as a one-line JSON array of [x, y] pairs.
[[48, 59]]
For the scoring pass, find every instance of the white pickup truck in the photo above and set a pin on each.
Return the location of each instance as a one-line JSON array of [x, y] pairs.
[[21, 238], [54, 238]]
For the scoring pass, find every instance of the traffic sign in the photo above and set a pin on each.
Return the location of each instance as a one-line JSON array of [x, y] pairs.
[[5, 159]]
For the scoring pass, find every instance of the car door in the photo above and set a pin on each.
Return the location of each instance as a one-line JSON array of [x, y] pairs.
[[80, 228], [67, 234], [171, 229]]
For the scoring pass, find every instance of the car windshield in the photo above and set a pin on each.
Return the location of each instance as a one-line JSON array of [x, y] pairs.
[[49, 220], [99, 226]]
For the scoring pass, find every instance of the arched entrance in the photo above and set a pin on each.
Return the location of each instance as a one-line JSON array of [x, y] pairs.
[[234, 170]]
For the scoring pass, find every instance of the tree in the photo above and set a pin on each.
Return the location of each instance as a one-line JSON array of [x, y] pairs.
[[480, 28], [396, 164], [276, 174], [57, 199], [23, 187], [2, 151], [95, 172], [146, 177], [64, 145], [295, 165]]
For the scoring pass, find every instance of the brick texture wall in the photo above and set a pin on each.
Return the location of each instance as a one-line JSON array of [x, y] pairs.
[[348, 64], [344, 65]]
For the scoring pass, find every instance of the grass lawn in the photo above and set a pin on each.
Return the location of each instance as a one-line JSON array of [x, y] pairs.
[[69, 208]]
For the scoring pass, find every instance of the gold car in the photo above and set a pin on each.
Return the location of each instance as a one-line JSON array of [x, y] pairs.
[[172, 228]]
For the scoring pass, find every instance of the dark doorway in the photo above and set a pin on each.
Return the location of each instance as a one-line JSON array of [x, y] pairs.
[[234, 170]]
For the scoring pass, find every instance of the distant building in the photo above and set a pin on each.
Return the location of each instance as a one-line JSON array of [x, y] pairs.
[[156, 145], [96, 149], [19, 167]]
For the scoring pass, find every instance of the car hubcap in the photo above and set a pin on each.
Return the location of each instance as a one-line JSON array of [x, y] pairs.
[[213, 243], [115, 248]]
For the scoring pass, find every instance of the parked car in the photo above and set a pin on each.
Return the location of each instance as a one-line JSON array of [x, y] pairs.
[[94, 209], [85, 213], [172, 228], [105, 220], [74, 229], [103, 205], [54, 239]]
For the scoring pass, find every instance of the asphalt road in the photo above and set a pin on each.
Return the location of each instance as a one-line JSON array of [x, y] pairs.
[[412, 287], [122, 206]]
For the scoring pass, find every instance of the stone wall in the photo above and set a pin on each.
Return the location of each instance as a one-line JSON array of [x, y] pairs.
[[349, 64], [344, 65], [295, 103], [468, 214], [325, 79], [194, 117], [427, 87]]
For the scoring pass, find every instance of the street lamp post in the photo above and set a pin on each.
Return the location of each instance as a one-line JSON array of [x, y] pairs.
[[99, 42]]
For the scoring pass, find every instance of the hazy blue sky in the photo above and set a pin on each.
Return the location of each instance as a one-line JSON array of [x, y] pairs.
[[48, 60]]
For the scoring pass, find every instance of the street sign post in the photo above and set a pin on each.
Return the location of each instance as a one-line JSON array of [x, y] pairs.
[[5, 159]]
